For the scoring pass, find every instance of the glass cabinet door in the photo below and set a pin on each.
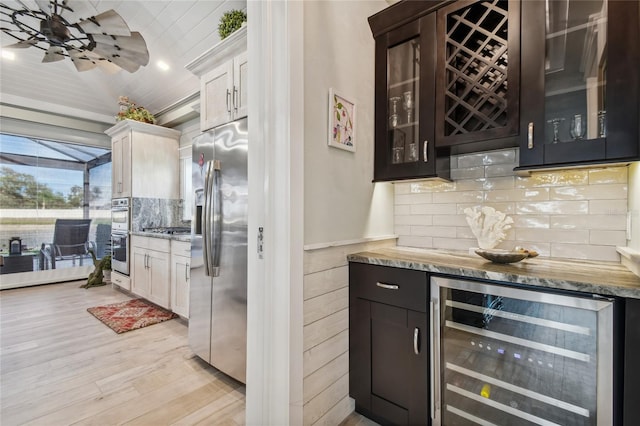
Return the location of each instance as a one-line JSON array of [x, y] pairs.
[[575, 71], [403, 94]]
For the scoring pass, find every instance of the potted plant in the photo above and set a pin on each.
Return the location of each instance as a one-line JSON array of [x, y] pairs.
[[101, 274], [129, 110], [230, 22]]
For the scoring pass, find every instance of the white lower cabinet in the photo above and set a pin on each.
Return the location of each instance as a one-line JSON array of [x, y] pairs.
[[151, 269], [180, 276]]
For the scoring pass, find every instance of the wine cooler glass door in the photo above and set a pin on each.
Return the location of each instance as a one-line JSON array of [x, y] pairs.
[[504, 355]]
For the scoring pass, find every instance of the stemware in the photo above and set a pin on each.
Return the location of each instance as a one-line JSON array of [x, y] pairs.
[[555, 122], [577, 127], [393, 111], [407, 104]]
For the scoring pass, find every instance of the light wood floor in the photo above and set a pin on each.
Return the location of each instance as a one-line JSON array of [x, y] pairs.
[[61, 366]]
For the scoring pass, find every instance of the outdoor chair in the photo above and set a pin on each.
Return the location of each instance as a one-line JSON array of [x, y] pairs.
[[70, 242]]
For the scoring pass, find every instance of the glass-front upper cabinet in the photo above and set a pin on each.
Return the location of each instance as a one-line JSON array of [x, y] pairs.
[[580, 82], [405, 81]]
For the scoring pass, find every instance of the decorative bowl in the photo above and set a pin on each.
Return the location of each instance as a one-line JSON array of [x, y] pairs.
[[502, 256]]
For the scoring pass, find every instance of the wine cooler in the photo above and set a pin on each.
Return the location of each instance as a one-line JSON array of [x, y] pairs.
[[512, 356]]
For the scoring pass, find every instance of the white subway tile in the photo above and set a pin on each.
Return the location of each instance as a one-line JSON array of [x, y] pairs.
[[470, 173], [553, 235], [402, 188], [464, 232], [466, 161], [530, 221], [433, 231], [432, 186], [433, 209], [402, 229], [584, 251], [413, 198], [506, 182], [416, 219], [449, 220], [402, 209], [608, 207], [609, 175], [470, 184], [498, 170], [553, 207], [458, 197], [608, 238], [591, 192], [420, 242], [591, 221], [520, 194], [454, 244], [507, 208]]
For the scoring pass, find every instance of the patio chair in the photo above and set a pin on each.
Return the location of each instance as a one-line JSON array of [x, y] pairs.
[[70, 242]]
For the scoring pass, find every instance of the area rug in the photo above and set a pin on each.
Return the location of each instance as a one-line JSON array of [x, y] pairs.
[[130, 315]]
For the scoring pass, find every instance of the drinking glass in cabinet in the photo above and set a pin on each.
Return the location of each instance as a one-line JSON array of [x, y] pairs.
[[577, 127], [407, 104], [602, 124], [413, 152], [393, 111], [398, 155], [555, 123]]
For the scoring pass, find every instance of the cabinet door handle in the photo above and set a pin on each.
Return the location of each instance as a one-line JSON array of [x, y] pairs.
[[228, 99], [186, 272], [530, 136], [235, 99], [387, 286], [425, 151], [416, 341]]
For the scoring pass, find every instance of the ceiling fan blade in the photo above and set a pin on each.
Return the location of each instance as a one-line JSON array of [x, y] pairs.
[[108, 22], [108, 67], [22, 44], [45, 6], [53, 54], [81, 60], [140, 58], [134, 43], [124, 63]]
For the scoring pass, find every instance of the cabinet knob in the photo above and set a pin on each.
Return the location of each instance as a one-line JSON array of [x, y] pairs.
[[425, 151]]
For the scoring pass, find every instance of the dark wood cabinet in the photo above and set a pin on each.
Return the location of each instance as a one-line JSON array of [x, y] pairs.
[[477, 73], [405, 60], [579, 83], [388, 343]]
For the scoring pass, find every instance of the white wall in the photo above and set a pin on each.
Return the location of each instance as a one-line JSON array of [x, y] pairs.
[[340, 201]]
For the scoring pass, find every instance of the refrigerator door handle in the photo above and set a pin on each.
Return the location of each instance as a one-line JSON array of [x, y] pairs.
[[216, 231], [206, 220]]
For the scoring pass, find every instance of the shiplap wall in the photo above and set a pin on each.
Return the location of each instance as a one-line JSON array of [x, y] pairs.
[[326, 332]]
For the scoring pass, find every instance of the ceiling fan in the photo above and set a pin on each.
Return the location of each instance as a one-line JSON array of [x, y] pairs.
[[103, 41]]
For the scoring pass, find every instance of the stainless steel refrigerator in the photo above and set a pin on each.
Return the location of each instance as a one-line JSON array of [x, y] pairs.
[[218, 292]]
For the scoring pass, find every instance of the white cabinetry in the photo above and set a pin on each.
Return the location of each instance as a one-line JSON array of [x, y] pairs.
[[180, 275], [223, 80], [186, 183], [145, 160], [150, 276]]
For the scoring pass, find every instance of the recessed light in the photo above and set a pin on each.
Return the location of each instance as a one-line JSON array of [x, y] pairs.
[[163, 65], [7, 54]]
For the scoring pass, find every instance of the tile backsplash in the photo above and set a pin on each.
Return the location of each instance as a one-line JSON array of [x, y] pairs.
[[155, 212], [578, 214]]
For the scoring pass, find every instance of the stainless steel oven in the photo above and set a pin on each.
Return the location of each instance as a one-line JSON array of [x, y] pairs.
[[120, 227]]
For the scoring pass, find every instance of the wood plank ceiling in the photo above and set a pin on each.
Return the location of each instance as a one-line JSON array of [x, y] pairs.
[[176, 32]]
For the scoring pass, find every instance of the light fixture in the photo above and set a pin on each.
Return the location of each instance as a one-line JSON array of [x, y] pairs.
[[163, 65], [7, 54], [103, 40]]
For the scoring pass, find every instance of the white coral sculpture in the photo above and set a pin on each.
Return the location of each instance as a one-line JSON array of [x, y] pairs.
[[488, 225]]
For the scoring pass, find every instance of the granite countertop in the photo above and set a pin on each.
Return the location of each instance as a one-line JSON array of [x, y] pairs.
[[606, 278], [175, 237]]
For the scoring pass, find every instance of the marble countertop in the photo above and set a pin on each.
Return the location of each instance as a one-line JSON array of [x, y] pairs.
[[175, 237], [605, 278]]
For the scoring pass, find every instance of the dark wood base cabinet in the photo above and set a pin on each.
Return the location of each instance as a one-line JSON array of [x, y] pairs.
[[388, 344], [631, 400]]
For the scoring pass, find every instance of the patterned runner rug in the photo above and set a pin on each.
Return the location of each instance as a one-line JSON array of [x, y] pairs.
[[130, 315]]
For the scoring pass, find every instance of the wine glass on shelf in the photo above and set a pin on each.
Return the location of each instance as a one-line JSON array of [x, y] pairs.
[[577, 127], [393, 111], [407, 104], [555, 123]]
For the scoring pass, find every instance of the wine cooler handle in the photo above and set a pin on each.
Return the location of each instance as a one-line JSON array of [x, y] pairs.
[[530, 136], [388, 286], [416, 341], [432, 361]]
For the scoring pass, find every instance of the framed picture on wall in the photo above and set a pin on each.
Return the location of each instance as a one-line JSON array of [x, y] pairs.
[[342, 120]]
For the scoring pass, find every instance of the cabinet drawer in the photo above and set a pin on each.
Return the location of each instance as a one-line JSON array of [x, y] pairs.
[[151, 243], [121, 281], [181, 248], [394, 286]]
